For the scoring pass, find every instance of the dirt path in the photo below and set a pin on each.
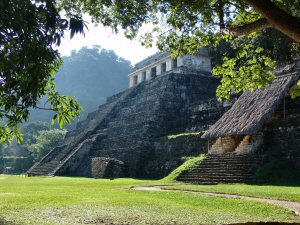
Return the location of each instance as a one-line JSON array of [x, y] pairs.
[[294, 206]]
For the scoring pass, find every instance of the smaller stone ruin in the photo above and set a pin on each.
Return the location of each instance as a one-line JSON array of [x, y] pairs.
[[104, 167]]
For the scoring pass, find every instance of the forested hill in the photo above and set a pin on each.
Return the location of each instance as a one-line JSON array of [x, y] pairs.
[[91, 75]]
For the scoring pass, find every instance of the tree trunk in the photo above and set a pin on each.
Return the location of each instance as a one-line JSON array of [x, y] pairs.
[[278, 18]]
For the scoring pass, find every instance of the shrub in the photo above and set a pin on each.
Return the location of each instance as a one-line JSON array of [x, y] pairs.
[[277, 172]]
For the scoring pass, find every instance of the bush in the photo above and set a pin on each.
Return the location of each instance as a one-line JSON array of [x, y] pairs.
[[277, 172], [45, 141]]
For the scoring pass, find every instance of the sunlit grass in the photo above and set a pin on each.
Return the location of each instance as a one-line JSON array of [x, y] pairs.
[[62, 200]]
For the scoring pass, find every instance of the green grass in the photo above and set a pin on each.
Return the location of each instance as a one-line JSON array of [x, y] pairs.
[[289, 193], [187, 165], [62, 200]]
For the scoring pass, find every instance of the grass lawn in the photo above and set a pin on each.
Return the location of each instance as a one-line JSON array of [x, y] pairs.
[[62, 200], [289, 193]]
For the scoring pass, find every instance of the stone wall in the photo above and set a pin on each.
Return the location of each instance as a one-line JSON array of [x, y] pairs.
[[282, 133], [143, 70], [197, 62], [170, 152]]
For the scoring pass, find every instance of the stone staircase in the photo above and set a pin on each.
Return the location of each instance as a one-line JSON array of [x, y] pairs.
[[86, 131], [48, 163], [224, 168]]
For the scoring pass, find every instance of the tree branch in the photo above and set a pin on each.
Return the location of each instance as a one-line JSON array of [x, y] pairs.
[[220, 10], [44, 108], [280, 20], [246, 29]]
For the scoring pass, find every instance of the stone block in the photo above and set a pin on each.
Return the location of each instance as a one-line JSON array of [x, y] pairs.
[[104, 167]]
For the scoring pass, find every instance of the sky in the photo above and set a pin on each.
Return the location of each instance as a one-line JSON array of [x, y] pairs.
[[104, 37]]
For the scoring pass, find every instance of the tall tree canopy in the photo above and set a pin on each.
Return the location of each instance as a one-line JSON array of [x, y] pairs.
[[194, 18], [29, 29]]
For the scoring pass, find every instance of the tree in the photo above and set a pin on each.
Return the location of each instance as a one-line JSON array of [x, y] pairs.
[[45, 140], [31, 130], [184, 26], [274, 15], [234, 17], [28, 32], [18, 155]]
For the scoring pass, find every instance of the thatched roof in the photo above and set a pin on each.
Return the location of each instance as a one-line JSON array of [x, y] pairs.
[[252, 109]]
